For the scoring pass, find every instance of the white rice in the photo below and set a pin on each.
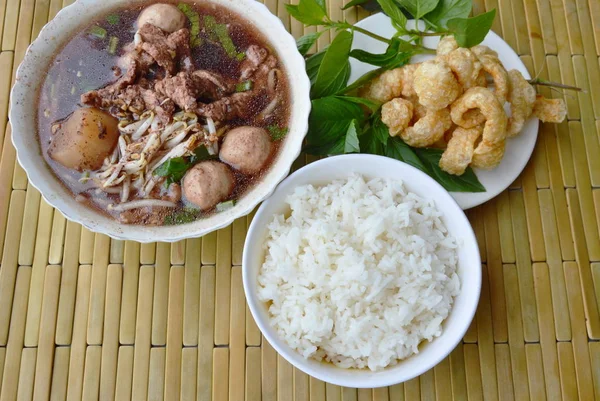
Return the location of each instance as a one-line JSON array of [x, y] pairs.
[[360, 273]]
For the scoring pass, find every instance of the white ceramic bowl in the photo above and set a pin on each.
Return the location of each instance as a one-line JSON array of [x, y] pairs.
[[23, 104], [469, 270]]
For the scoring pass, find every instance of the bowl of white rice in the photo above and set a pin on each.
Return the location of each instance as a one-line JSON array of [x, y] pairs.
[[361, 271]]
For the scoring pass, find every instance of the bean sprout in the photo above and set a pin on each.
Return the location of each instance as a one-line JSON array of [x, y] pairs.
[[273, 79], [269, 109], [211, 126], [143, 128], [136, 204], [111, 190], [171, 143], [125, 190]]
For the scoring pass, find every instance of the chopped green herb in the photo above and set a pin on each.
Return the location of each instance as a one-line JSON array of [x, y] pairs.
[[174, 169], [221, 33], [244, 86], [98, 31], [113, 19], [277, 132], [223, 206], [183, 216], [200, 154], [240, 56], [194, 18], [113, 42]]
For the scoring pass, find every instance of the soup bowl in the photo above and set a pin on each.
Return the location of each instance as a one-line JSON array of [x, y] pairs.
[[463, 309], [25, 96]]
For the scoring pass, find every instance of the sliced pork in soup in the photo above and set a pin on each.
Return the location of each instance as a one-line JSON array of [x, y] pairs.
[[163, 114]]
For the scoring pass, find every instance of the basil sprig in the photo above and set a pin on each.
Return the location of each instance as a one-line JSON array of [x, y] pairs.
[[343, 122]]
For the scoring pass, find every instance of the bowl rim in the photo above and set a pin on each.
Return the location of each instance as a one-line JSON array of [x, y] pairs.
[[95, 221], [292, 356]]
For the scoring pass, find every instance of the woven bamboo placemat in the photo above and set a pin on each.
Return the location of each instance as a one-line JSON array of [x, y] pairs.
[[86, 317]]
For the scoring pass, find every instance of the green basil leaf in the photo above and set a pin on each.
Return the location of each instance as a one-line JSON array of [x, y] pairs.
[[334, 70], [449, 9], [173, 169], [312, 65], [469, 32], [380, 131], [323, 5], [200, 154], [371, 104], [397, 54], [397, 149], [307, 41], [354, 3], [362, 81], [334, 148], [329, 120], [418, 8], [351, 144], [394, 12], [309, 12], [370, 144], [468, 182]]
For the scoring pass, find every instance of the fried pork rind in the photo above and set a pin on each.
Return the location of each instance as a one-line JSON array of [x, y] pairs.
[[550, 110], [419, 110], [446, 45], [385, 87], [521, 98], [465, 65], [408, 79], [397, 114], [492, 65], [435, 84], [428, 129], [488, 155], [459, 153], [481, 79], [483, 99], [391, 84]]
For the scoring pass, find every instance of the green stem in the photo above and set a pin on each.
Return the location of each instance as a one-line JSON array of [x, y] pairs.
[[425, 50], [419, 33], [371, 34]]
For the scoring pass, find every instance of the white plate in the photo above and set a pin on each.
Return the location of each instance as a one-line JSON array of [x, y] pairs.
[[518, 149]]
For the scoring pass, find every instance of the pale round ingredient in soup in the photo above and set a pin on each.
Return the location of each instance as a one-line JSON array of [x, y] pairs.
[[246, 149], [359, 273], [207, 184], [84, 139], [164, 16]]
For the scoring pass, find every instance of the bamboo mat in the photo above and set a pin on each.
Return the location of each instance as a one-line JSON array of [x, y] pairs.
[[86, 317]]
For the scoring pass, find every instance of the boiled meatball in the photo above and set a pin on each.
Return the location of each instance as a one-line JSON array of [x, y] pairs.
[[246, 149], [84, 139], [207, 184], [164, 16]]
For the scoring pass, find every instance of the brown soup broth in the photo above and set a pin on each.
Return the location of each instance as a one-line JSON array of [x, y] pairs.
[[84, 63]]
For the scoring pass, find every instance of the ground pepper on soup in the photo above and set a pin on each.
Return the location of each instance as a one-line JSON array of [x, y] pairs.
[[163, 114]]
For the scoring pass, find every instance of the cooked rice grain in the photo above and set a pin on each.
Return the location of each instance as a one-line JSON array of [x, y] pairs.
[[360, 273]]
